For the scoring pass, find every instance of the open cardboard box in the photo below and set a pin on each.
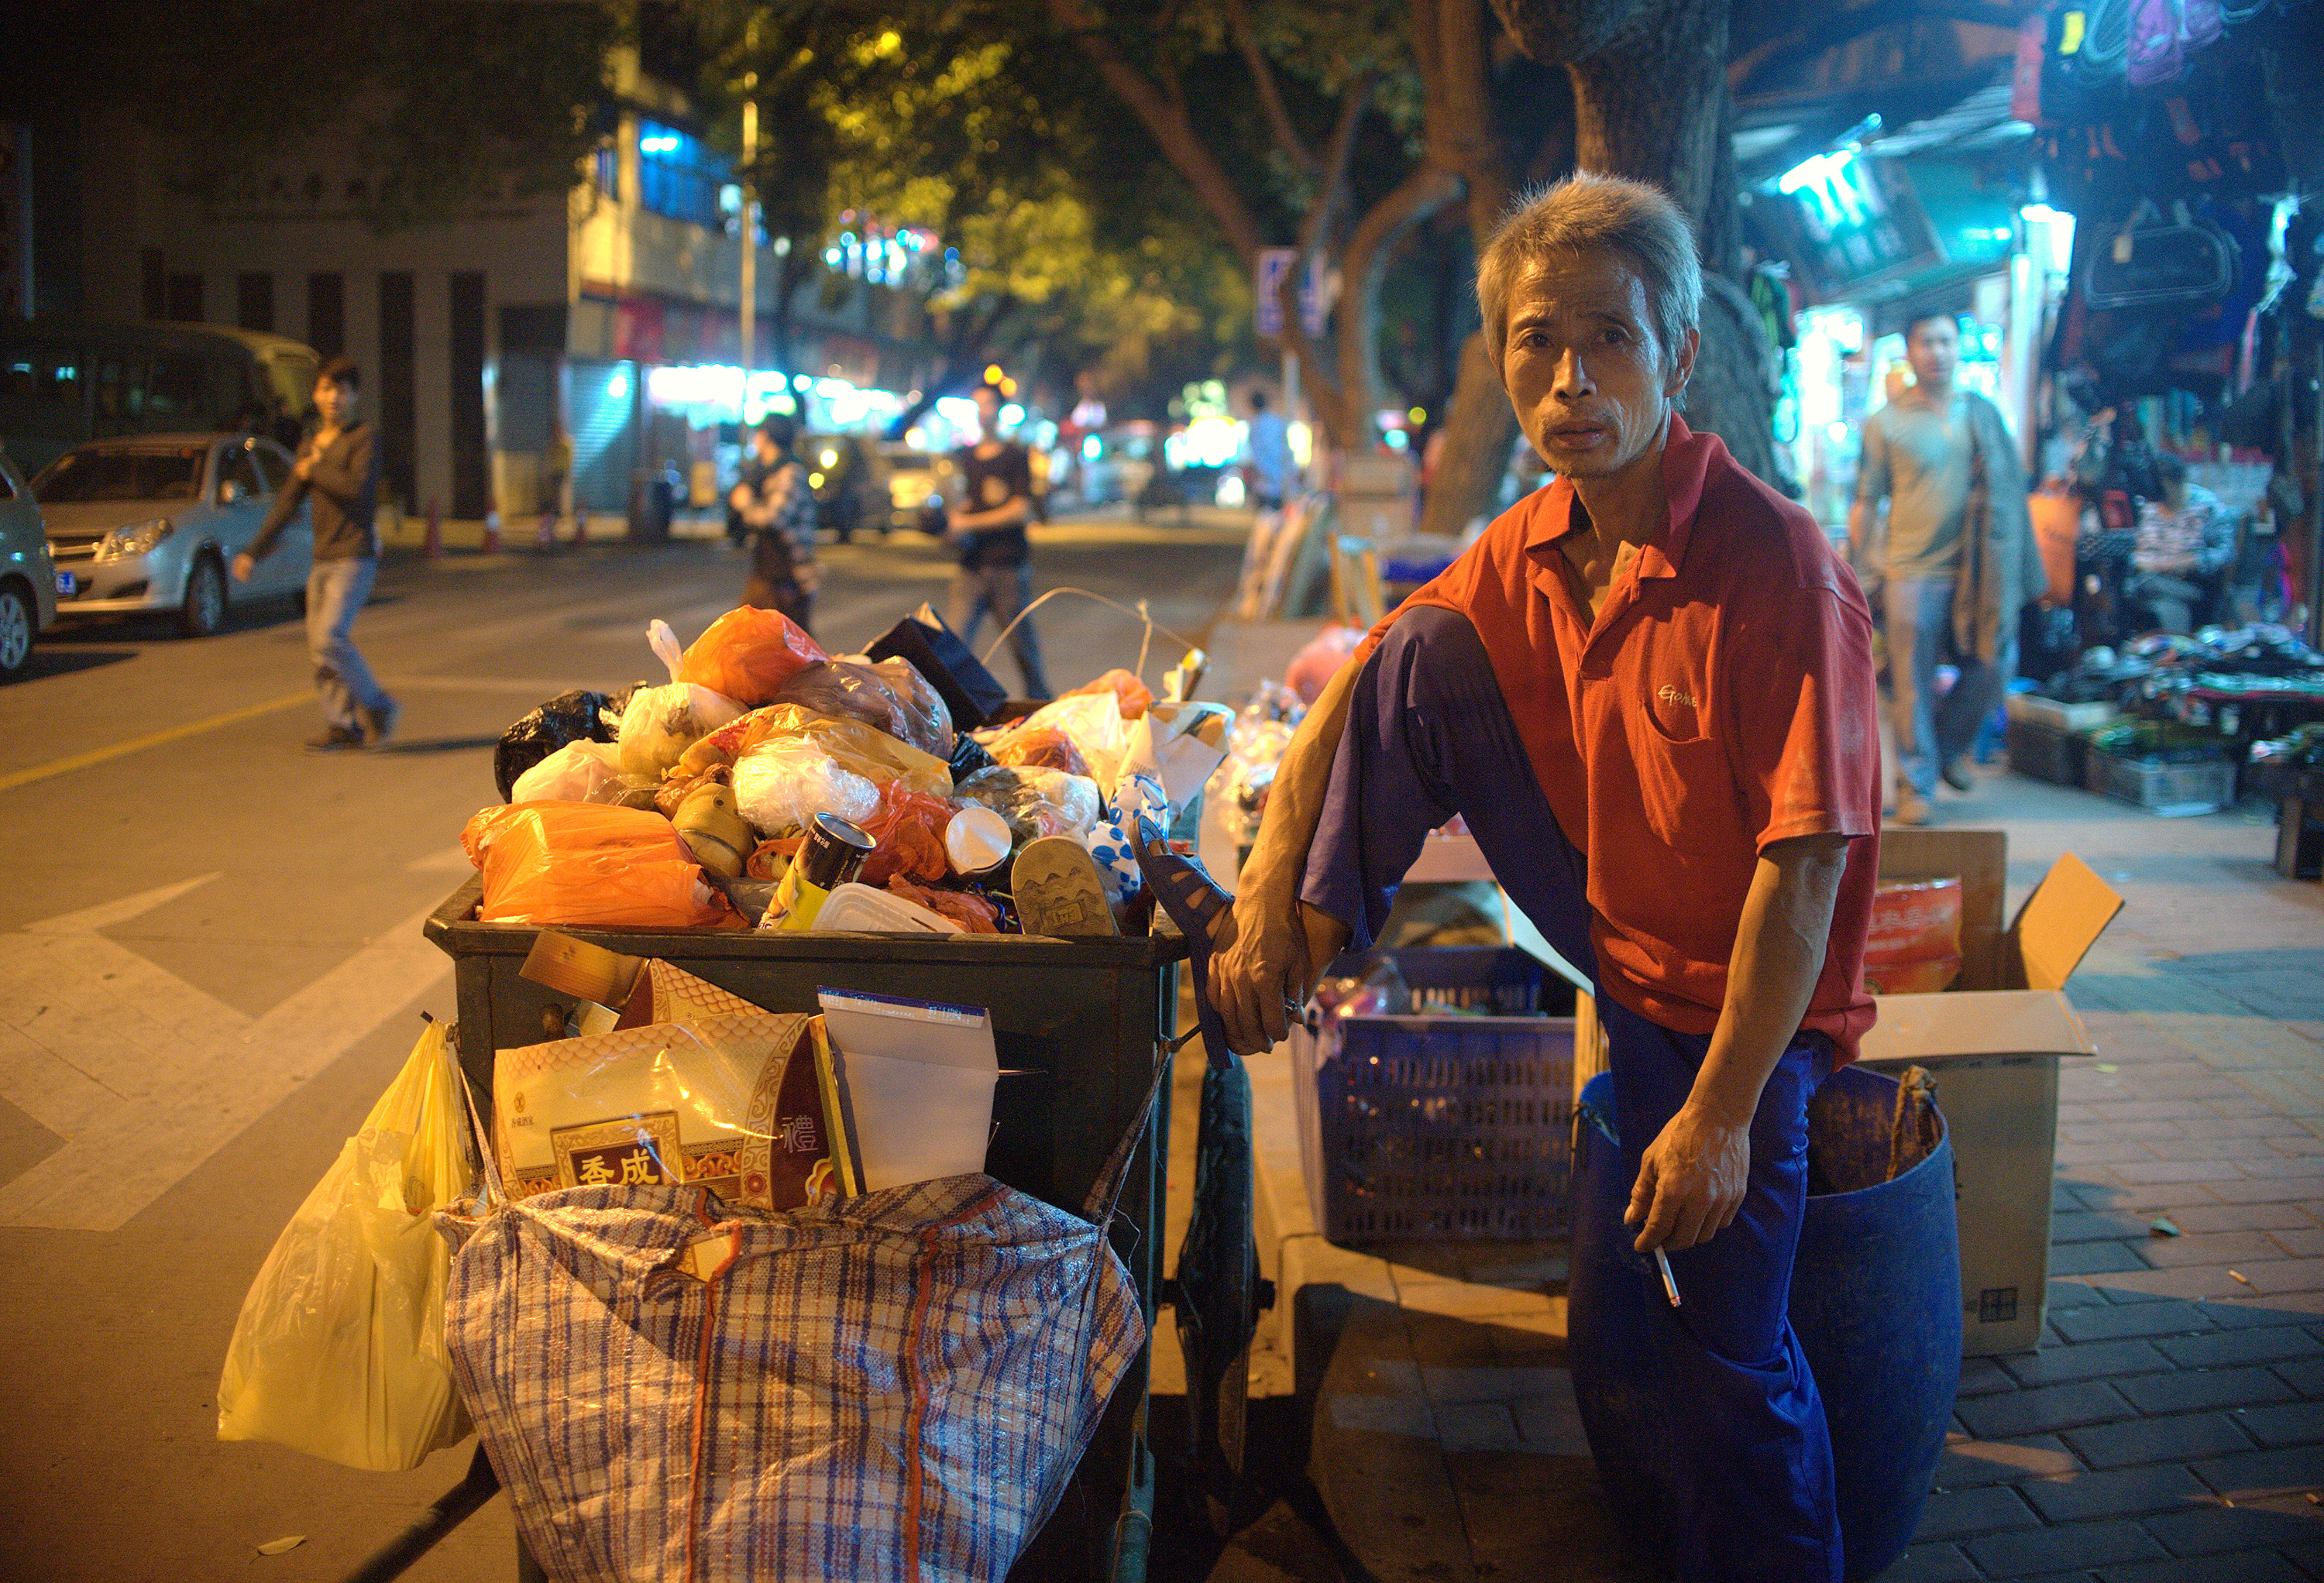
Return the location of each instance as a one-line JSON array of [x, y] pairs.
[[1993, 1043]]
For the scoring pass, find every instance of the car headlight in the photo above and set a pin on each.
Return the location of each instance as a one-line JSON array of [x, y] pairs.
[[122, 542]]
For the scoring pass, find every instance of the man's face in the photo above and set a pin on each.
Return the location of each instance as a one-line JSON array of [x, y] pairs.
[[762, 445], [987, 412], [1591, 385], [335, 401], [1933, 349]]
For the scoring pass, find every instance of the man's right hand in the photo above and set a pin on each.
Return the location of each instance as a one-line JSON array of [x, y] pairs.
[[243, 567], [1264, 964]]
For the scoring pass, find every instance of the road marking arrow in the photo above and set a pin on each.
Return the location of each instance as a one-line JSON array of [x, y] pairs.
[[146, 1076]]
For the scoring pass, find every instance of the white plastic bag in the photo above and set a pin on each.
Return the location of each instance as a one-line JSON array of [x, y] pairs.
[[660, 724], [340, 1351], [785, 781], [577, 772]]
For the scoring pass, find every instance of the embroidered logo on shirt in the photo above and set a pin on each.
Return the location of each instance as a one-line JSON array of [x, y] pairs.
[[1672, 695]]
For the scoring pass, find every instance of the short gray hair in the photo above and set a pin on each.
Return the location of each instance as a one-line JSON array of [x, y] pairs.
[[1589, 213]]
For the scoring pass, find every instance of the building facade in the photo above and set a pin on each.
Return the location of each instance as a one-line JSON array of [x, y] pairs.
[[511, 354]]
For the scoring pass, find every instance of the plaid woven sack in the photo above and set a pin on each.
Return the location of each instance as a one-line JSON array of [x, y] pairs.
[[897, 1386]]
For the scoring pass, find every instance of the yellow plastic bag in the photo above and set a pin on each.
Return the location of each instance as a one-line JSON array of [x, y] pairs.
[[339, 1350]]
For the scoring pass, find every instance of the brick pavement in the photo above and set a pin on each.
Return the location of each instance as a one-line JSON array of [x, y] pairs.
[[2171, 1426]]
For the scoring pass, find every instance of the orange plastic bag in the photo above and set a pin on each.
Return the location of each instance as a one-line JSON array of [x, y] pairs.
[[1136, 698], [748, 654], [911, 830], [973, 913], [1047, 747], [587, 863]]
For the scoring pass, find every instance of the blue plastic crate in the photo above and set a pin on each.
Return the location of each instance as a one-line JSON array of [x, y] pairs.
[[1446, 1126]]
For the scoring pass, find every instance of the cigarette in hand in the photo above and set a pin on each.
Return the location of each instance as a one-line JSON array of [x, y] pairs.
[[1670, 1283]]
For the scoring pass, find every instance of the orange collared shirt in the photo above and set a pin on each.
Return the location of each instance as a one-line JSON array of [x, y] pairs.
[[1721, 700]]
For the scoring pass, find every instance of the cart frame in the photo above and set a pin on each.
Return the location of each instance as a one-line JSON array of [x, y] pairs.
[[1080, 1026]]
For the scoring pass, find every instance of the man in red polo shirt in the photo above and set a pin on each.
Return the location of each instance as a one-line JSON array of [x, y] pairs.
[[1648, 689]]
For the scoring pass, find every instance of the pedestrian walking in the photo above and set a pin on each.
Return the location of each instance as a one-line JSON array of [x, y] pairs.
[[336, 478], [985, 521], [1958, 564], [775, 505], [1270, 455], [1648, 689]]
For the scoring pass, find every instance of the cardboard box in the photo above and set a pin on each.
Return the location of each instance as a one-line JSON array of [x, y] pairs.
[[1993, 1043]]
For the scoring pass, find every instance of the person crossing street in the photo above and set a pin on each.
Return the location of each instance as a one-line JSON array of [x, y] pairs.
[[336, 476]]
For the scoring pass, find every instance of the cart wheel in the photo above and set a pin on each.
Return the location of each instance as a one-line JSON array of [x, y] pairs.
[[1218, 1292]]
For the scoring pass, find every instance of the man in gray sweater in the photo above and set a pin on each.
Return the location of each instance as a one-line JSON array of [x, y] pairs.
[[337, 474]]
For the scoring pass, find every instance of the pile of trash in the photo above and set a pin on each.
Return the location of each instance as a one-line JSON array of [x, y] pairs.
[[768, 784]]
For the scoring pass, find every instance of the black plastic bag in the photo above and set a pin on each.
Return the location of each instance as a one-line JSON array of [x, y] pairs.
[[937, 652], [569, 717]]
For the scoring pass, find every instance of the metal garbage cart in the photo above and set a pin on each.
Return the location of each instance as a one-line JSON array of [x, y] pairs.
[[1080, 1024]]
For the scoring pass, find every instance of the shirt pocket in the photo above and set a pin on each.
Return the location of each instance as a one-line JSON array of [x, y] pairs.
[[1686, 790]]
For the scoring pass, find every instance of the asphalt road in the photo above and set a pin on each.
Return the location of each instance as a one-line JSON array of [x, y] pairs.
[[211, 963]]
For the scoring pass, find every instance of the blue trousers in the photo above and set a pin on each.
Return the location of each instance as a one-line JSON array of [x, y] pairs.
[[1747, 1484], [1934, 731], [336, 591]]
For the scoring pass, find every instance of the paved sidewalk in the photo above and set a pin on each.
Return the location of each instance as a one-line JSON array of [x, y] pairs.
[[2172, 1425]]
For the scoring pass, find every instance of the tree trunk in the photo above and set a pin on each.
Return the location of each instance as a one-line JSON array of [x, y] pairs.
[[1647, 105], [1480, 427], [1362, 269], [1650, 102]]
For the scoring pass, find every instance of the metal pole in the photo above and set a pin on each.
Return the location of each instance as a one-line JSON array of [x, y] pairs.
[[1291, 405], [393, 1559], [749, 243], [2315, 589]]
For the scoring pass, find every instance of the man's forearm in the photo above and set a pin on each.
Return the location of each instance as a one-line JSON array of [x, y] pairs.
[[1779, 952], [1294, 804], [1859, 526], [1014, 513]]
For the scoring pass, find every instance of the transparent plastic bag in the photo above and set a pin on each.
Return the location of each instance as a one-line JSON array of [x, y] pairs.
[[577, 772], [582, 863], [785, 781], [890, 696], [1048, 747], [858, 748], [661, 723], [1036, 801], [748, 655], [909, 827], [1093, 722], [339, 1350], [1134, 696]]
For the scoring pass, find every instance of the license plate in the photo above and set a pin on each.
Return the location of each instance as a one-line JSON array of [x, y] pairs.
[[67, 584]]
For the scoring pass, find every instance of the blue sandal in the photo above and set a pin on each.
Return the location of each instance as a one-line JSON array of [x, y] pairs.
[[1193, 900]]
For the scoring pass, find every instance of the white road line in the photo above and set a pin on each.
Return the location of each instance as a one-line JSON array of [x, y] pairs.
[[146, 1076]]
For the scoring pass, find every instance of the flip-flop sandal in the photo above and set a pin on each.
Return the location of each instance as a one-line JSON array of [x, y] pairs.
[[1058, 891], [1193, 900]]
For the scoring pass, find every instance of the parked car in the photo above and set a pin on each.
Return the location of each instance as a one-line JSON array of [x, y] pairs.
[[28, 579], [151, 522], [915, 480], [1125, 463]]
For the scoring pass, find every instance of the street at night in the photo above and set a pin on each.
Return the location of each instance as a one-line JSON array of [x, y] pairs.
[[212, 963]]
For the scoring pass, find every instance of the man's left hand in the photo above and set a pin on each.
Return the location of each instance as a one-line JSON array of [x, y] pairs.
[[1690, 1182]]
